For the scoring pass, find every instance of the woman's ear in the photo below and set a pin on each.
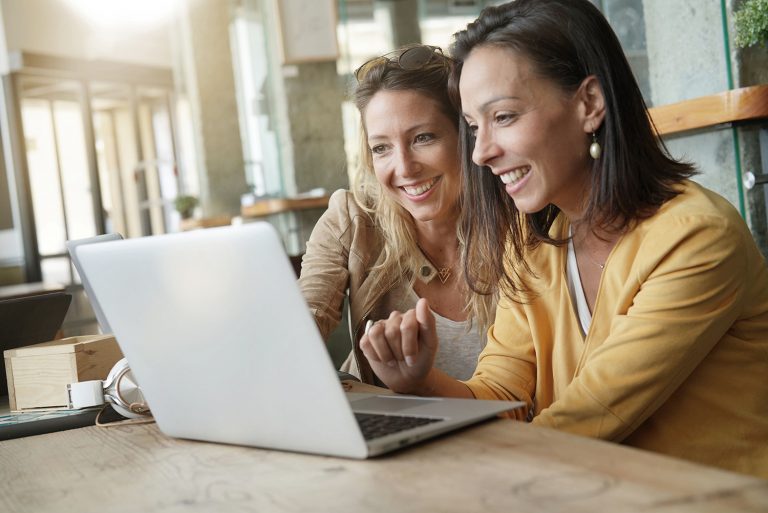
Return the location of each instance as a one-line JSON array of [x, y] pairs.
[[593, 103]]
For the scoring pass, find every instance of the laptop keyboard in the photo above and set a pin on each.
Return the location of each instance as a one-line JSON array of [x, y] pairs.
[[375, 426]]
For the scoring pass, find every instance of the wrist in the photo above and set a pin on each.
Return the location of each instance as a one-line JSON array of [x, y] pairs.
[[427, 386]]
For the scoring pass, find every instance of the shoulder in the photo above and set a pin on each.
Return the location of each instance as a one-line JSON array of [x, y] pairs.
[[343, 212], [695, 209], [696, 228], [696, 200], [345, 222], [342, 205]]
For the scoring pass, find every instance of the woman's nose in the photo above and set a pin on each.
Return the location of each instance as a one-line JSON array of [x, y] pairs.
[[405, 163], [485, 148]]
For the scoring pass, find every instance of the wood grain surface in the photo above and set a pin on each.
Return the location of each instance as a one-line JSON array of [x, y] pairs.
[[498, 466], [736, 105]]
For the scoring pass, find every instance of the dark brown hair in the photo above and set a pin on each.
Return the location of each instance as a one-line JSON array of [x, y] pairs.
[[566, 41]]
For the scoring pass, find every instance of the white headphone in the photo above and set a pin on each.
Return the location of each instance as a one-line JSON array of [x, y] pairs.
[[119, 389]]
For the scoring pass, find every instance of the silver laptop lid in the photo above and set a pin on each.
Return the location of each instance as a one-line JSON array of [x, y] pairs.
[[215, 329], [71, 245]]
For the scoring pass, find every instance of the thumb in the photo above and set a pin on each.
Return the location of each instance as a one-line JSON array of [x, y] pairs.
[[426, 320]]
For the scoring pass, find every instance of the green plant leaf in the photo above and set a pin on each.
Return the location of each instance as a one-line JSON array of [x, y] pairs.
[[751, 22]]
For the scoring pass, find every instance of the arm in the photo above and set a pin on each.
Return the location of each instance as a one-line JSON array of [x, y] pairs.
[[507, 366], [324, 269]]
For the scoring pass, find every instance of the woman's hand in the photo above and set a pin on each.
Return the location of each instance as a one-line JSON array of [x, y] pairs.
[[402, 348]]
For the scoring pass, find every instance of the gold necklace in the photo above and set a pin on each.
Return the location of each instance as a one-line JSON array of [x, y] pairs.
[[443, 272], [586, 251], [601, 266], [589, 256]]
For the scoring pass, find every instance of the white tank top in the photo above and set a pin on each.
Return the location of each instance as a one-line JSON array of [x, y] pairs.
[[576, 290]]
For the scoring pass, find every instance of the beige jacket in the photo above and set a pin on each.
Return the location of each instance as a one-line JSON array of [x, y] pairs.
[[342, 253]]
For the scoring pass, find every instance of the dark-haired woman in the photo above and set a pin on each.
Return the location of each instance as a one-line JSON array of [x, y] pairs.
[[394, 238], [634, 301]]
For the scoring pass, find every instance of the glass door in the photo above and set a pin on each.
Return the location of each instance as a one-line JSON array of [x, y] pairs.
[[135, 152], [101, 158], [59, 172], [135, 180]]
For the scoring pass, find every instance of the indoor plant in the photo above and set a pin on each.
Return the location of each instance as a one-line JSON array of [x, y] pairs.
[[751, 21], [185, 205]]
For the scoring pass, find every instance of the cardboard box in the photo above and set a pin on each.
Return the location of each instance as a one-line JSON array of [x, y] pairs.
[[38, 375]]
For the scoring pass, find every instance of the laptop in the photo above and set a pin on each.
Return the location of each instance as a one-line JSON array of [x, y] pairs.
[[217, 333], [71, 245]]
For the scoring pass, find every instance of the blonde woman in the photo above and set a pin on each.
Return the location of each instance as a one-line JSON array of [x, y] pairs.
[[394, 238]]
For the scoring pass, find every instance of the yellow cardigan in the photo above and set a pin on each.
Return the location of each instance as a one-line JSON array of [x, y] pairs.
[[676, 357]]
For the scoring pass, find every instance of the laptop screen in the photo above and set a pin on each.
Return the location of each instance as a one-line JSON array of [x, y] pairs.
[[71, 245]]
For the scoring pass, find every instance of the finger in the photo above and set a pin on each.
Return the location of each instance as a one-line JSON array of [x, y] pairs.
[[367, 348], [378, 338], [426, 320], [392, 330], [409, 334]]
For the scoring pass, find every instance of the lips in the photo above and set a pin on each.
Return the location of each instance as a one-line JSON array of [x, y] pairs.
[[419, 189], [511, 177]]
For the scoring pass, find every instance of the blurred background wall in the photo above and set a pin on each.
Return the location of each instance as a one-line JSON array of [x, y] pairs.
[[112, 110]]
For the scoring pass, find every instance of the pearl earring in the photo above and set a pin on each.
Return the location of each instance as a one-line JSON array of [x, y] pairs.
[[594, 149]]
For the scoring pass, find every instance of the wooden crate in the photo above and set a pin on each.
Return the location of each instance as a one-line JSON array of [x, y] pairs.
[[38, 374]]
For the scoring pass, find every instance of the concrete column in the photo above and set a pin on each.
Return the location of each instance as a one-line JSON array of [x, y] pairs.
[[698, 67], [207, 77], [314, 99], [403, 16], [314, 96]]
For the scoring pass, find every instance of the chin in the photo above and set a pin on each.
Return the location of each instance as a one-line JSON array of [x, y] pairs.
[[422, 218], [526, 207]]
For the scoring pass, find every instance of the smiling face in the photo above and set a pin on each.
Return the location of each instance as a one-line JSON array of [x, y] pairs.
[[414, 152], [528, 131]]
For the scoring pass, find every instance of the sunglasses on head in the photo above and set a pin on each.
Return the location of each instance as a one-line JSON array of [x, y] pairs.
[[411, 59]]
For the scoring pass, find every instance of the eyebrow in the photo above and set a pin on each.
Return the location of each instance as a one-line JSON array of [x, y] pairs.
[[485, 105], [415, 128]]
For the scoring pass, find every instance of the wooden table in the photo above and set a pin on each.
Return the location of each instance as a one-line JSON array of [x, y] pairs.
[[499, 466], [271, 206]]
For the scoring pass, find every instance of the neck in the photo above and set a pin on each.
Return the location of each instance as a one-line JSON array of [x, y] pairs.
[[439, 240], [437, 230], [596, 244], [439, 243], [573, 203]]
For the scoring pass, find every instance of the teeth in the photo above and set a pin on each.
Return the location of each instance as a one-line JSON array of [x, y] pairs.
[[420, 189], [514, 175]]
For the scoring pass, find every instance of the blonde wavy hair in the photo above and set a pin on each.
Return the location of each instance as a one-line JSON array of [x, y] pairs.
[[402, 255]]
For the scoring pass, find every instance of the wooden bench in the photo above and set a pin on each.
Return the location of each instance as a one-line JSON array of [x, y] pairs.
[[736, 106]]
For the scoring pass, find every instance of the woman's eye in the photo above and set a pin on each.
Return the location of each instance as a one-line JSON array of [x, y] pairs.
[[504, 118], [378, 149], [472, 129], [424, 138]]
